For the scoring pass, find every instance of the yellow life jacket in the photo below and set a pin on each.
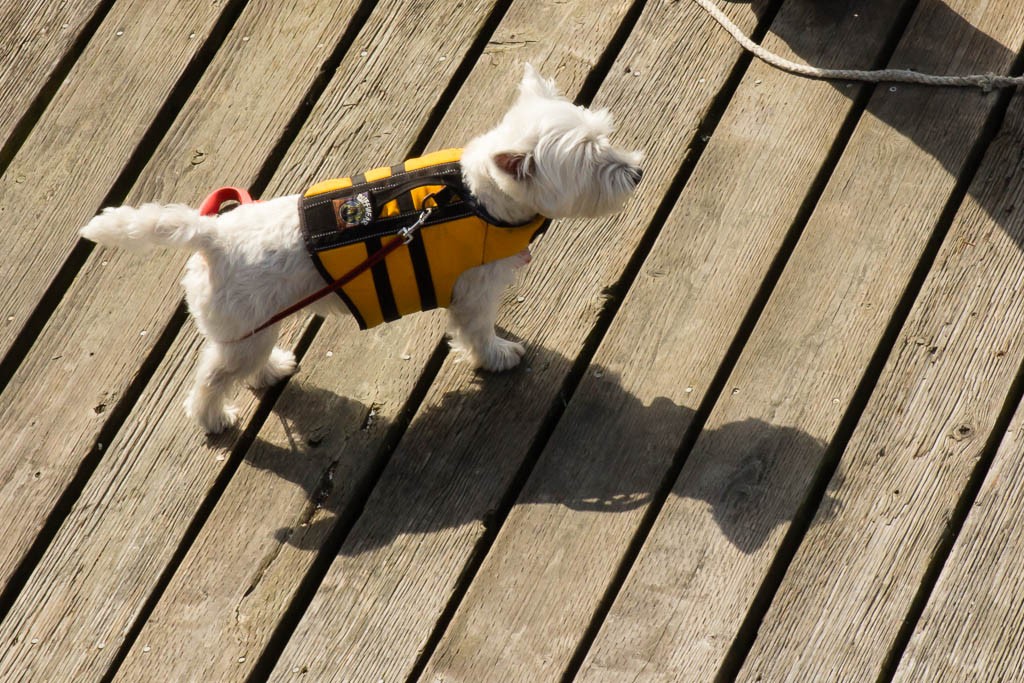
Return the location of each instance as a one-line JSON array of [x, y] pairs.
[[345, 220]]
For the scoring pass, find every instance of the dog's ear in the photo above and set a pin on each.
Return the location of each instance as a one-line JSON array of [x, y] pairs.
[[516, 164], [533, 85], [631, 168]]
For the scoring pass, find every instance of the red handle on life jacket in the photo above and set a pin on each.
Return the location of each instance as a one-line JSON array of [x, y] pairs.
[[211, 205]]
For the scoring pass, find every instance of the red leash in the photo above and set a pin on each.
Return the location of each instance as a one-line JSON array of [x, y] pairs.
[[371, 261], [211, 206]]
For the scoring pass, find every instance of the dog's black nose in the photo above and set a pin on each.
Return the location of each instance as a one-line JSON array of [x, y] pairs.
[[636, 173]]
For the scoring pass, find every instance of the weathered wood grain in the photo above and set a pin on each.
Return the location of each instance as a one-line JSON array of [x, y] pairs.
[[402, 561], [68, 612], [558, 551], [717, 535], [75, 152], [335, 418], [851, 584], [224, 601], [34, 37], [971, 629], [55, 406], [73, 614], [329, 432]]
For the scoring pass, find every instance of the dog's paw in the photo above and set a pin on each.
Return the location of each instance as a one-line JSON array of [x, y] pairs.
[[501, 355], [214, 419], [281, 364], [217, 422]]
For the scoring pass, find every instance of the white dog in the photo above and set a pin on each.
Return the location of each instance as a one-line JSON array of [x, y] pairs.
[[547, 158]]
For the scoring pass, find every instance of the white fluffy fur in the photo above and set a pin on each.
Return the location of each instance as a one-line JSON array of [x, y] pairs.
[[547, 156]]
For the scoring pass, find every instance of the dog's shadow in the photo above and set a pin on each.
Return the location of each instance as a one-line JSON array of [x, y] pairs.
[[938, 125], [744, 499]]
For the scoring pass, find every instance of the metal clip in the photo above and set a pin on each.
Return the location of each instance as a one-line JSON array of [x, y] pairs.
[[407, 233]]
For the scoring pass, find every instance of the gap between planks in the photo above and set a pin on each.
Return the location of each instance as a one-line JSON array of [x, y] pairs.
[[787, 292], [58, 55], [391, 482], [369, 161], [14, 349], [815, 187]]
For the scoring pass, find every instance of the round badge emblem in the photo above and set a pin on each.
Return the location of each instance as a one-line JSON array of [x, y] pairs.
[[356, 210]]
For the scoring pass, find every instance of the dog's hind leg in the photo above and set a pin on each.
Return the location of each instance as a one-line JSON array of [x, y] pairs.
[[279, 365], [474, 310], [223, 366]]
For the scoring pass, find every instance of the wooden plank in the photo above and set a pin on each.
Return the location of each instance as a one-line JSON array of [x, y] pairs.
[[231, 590], [75, 611], [403, 560], [35, 36], [223, 603], [971, 629], [851, 585], [69, 162], [54, 409], [55, 404], [716, 538], [564, 540], [137, 495]]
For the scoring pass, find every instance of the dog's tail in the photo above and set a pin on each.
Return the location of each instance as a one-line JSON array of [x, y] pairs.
[[162, 225]]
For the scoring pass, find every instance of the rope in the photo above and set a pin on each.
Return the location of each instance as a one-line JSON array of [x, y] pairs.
[[984, 81]]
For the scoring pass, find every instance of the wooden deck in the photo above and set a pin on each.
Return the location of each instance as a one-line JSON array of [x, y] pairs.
[[768, 426]]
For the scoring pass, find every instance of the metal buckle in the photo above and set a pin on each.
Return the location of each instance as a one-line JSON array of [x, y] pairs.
[[407, 233]]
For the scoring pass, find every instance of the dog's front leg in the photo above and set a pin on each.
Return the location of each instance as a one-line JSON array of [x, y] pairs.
[[474, 310]]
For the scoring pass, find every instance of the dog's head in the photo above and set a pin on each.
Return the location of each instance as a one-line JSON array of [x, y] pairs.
[[556, 158]]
